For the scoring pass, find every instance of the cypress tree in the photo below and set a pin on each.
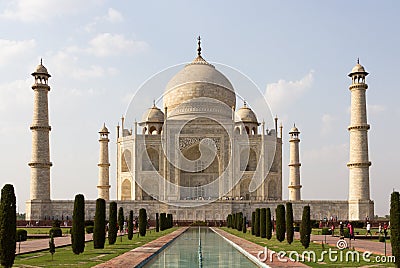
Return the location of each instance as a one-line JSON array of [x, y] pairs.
[[130, 225], [263, 223], [234, 220], [163, 220], [169, 220], [257, 223], [280, 223], [305, 227], [99, 232], [395, 226], [268, 228], [52, 246], [121, 219], [289, 223], [240, 222], [227, 220], [8, 225], [253, 222], [244, 225], [157, 223], [112, 223], [78, 225], [142, 221]]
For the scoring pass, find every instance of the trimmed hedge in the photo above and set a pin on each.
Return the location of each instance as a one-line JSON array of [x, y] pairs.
[[21, 235], [263, 223], [268, 228], [56, 232], [280, 223], [99, 229], [163, 221], [89, 229], [257, 223], [142, 221]]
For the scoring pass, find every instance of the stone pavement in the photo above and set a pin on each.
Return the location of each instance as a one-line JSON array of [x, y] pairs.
[[141, 254], [35, 245], [253, 249], [375, 247]]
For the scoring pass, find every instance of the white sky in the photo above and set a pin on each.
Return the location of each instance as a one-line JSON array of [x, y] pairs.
[[298, 53]]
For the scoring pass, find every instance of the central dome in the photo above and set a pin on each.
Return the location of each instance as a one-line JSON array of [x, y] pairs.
[[198, 80]]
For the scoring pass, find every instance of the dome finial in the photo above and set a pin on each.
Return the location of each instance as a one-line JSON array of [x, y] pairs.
[[198, 46], [154, 103], [244, 103], [358, 60], [41, 61]]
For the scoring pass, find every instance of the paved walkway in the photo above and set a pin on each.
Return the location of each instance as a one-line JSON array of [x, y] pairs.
[[253, 249], [377, 248], [142, 254], [35, 245]]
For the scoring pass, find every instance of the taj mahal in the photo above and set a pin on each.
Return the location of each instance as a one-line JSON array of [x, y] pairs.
[[202, 155]]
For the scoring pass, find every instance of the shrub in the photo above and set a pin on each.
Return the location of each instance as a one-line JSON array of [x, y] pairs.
[[8, 225], [142, 221], [244, 228], [52, 246], [395, 226], [56, 223], [263, 223], [163, 221], [157, 223], [381, 239], [130, 225], [88, 223], [121, 219], [169, 220], [239, 221], [296, 228], [55, 232], [268, 228], [99, 232], [257, 223], [112, 223], [280, 223], [326, 231], [89, 229], [305, 227], [253, 222], [21, 235], [289, 223], [78, 225]]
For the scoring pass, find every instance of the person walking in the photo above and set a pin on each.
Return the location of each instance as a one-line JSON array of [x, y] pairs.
[[368, 229]]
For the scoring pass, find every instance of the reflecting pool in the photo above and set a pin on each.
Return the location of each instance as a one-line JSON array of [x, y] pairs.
[[210, 250]]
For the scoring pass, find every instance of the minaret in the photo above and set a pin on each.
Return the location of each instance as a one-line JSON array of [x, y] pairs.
[[294, 165], [359, 163], [40, 163], [104, 165]]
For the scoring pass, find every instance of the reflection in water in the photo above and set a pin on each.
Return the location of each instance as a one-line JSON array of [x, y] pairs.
[[210, 250]]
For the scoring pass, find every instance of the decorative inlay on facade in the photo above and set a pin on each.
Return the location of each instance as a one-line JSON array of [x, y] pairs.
[[186, 142]]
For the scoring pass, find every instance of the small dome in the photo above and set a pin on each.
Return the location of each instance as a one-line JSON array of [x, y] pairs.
[[246, 115], [104, 129], [154, 114], [358, 69], [294, 130], [40, 69]]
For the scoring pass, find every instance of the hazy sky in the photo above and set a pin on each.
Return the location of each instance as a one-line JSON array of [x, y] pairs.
[[298, 53]]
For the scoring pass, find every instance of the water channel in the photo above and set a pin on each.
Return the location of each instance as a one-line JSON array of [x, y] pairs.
[[200, 247]]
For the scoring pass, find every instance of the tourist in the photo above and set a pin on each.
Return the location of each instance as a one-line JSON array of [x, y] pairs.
[[333, 229], [368, 229], [341, 229], [380, 229], [351, 231]]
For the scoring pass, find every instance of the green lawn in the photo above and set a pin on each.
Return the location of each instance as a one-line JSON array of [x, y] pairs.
[[64, 257], [276, 246]]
